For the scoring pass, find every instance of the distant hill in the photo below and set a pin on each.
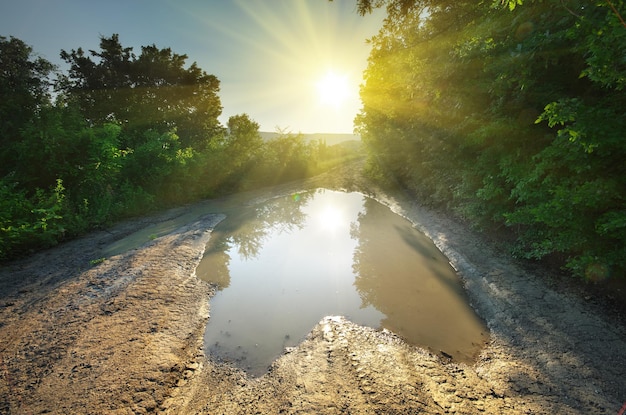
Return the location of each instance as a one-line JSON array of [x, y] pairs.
[[331, 139]]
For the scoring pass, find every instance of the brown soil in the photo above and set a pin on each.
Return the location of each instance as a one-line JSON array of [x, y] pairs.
[[124, 336]]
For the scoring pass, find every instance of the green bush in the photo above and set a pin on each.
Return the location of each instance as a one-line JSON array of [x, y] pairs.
[[30, 222]]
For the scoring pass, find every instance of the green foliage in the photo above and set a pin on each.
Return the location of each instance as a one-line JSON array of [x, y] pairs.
[[132, 200], [24, 89], [603, 39], [281, 159], [511, 117], [97, 261], [572, 201], [151, 91], [512, 4], [30, 222], [242, 146]]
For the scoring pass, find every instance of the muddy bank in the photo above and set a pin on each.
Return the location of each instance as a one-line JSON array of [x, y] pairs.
[[115, 336], [125, 335]]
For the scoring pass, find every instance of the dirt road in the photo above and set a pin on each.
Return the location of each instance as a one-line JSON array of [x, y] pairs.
[[123, 335]]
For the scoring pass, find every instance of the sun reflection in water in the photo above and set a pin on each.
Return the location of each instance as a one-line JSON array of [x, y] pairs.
[[330, 219]]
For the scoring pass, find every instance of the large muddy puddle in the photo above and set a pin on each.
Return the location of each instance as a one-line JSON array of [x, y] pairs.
[[281, 266]]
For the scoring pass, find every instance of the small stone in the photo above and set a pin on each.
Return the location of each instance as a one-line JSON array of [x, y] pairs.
[[192, 366]]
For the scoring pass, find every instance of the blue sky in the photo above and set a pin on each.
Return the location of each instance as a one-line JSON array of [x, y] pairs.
[[268, 54]]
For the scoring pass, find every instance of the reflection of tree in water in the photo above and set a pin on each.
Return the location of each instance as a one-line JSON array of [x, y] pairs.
[[246, 229], [392, 263], [401, 273], [214, 265], [366, 255], [278, 215]]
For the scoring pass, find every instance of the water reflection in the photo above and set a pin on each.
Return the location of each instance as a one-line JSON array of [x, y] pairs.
[[246, 229], [402, 274], [282, 266]]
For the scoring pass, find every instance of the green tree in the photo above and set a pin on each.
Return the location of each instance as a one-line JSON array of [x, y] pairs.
[[30, 222], [511, 113], [151, 91], [159, 166], [108, 147], [25, 89], [243, 140]]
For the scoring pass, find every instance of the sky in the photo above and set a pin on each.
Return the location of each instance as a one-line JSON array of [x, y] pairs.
[[271, 56]]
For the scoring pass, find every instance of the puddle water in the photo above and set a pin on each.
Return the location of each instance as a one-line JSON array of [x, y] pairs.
[[282, 266]]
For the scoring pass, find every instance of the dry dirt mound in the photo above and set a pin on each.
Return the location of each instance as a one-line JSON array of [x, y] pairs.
[[125, 336], [116, 336]]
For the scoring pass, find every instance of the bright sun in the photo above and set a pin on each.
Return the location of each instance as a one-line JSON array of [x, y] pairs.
[[333, 89]]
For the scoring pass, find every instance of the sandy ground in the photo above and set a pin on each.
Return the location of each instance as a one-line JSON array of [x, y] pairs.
[[124, 335]]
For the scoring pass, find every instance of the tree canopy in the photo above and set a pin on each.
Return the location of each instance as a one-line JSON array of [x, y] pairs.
[[152, 90], [511, 113], [24, 88]]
